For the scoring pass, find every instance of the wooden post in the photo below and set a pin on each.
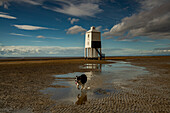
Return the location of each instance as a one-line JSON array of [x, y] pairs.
[[85, 53], [88, 52], [101, 53], [100, 67], [91, 52]]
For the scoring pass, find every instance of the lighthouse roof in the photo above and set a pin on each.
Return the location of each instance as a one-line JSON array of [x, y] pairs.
[[92, 29]]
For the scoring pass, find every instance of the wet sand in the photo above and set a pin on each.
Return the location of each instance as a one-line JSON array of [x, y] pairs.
[[21, 82]]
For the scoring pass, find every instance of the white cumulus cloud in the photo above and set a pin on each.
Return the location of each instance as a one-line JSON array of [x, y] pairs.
[[75, 30], [98, 28], [152, 21], [72, 20]]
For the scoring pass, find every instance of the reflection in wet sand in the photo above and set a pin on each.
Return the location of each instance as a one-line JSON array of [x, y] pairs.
[[81, 98], [101, 79], [92, 67]]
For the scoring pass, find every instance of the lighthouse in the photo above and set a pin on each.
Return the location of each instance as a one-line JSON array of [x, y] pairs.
[[93, 44]]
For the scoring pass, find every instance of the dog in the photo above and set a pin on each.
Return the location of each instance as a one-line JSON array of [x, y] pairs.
[[80, 81]]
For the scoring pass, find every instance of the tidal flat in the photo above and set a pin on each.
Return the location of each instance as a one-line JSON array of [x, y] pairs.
[[124, 84]]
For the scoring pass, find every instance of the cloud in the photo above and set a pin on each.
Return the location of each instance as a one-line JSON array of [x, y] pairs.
[[121, 51], [134, 40], [37, 41], [32, 2], [134, 52], [98, 28], [40, 36], [72, 20], [54, 38], [165, 50], [125, 40], [5, 15], [43, 37], [30, 27], [70, 7], [75, 30], [106, 29], [79, 9], [150, 4], [6, 3], [149, 41], [20, 35], [58, 19], [40, 51], [19, 51], [152, 22]]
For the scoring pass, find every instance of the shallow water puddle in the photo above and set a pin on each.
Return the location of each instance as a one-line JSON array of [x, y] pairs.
[[100, 82]]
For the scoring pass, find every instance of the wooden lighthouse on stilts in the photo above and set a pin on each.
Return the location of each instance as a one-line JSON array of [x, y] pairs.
[[93, 44]]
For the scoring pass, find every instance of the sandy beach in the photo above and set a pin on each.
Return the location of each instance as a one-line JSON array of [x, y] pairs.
[[21, 82]]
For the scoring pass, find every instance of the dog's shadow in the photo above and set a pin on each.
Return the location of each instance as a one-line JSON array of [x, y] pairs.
[[81, 99]]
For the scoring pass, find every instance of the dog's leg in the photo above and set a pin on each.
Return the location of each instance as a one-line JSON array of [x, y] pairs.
[[77, 86], [78, 96], [82, 86]]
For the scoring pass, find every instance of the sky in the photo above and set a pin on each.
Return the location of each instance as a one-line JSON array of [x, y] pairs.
[[52, 28]]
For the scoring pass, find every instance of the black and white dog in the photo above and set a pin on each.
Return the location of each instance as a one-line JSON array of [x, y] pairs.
[[80, 81]]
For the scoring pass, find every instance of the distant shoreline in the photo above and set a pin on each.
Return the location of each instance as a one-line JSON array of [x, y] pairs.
[[77, 57], [9, 59]]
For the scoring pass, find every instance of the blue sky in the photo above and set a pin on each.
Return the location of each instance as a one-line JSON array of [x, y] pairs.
[[57, 27]]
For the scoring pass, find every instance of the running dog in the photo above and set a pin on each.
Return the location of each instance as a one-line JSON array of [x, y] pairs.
[[80, 81]]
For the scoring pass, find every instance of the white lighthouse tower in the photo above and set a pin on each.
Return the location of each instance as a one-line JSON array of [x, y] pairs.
[[93, 44]]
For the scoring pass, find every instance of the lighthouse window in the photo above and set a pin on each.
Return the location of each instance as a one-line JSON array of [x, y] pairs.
[[88, 35]]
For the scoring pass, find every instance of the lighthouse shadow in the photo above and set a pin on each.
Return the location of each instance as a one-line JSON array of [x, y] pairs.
[[81, 98]]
